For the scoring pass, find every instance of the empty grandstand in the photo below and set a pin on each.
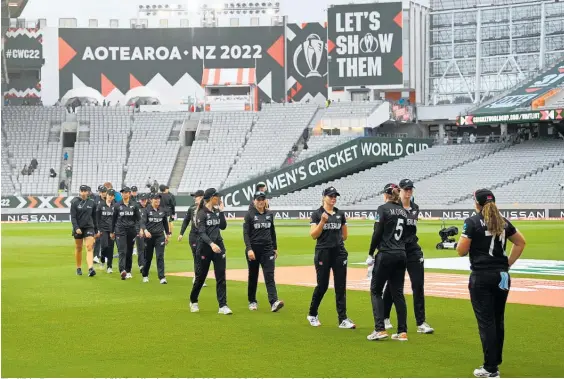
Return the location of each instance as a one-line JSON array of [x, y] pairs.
[[220, 139], [278, 128]]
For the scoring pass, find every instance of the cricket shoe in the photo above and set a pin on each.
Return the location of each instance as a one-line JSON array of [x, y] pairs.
[[194, 307], [128, 276], [145, 279], [163, 281], [314, 320], [400, 336], [377, 336], [96, 260], [387, 324], [253, 306], [481, 372], [425, 329], [123, 275], [109, 270], [79, 271], [225, 310], [91, 271], [347, 324], [277, 305]]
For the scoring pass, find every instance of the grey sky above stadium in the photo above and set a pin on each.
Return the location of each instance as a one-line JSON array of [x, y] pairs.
[[296, 10]]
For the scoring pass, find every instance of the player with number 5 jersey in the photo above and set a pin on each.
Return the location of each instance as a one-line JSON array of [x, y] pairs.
[[389, 265], [485, 236]]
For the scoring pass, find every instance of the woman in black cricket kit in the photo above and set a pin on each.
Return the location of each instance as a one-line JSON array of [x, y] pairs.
[[193, 236], [209, 221], [485, 236], [104, 216], [124, 230], [389, 264], [261, 250], [329, 229], [415, 265], [154, 226], [84, 228], [141, 199]]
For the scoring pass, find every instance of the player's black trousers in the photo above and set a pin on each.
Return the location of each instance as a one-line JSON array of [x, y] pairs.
[[416, 271], [154, 246], [326, 260], [488, 301], [107, 248], [140, 242], [205, 256], [264, 257], [125, 243], [390, 268]]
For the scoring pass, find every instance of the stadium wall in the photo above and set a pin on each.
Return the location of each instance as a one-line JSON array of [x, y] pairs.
[[35, 216]]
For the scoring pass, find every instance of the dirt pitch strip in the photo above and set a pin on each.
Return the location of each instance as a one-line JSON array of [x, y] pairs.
[[523, 291]]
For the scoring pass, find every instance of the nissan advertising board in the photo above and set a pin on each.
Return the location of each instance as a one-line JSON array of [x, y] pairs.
[[365, 44]]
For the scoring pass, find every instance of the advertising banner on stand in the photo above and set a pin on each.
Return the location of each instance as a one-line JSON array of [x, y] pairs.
[[353, 156], [524, 95], [23, 48], [175, 63], [306, 62], [511, 118], [364, 42]]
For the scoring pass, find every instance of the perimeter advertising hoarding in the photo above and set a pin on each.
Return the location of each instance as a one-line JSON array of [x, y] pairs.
[[169, 61], [365, 44], [305, 214], [352, 156]]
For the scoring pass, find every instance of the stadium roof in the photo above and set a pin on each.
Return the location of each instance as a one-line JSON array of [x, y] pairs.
[[13, 8]]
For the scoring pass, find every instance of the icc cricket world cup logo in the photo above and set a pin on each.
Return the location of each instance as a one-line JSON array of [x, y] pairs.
[[312, 49]]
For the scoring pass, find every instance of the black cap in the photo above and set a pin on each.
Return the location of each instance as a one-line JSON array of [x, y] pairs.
[[484, 196], [406, 184], [260, 194], [211, 192], [163, 187], [111, 192], [134, 189], [84, 188], [260, 185], [125, 189], [102, 189], [155, 196], [143, 196], [197, 193], [390, 187], [330, 191], [88, 188]]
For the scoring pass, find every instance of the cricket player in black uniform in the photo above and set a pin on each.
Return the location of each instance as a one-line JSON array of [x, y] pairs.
[[124, 229], [193, 236], [210, 220], [168, 203], [99, 199], [134, 194], [154, 225], [415, 265], [329, 229], [83, 219], [140, 239], [259, 235], [261, 187], [485, 236], [389, 264], [104, 219]]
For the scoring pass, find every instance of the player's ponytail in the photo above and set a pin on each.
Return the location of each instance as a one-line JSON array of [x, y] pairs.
[[195, 215], [493, 219], [394, 196]]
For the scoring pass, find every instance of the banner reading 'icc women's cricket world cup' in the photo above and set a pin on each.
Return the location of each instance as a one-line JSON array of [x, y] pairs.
[[365, 44]]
